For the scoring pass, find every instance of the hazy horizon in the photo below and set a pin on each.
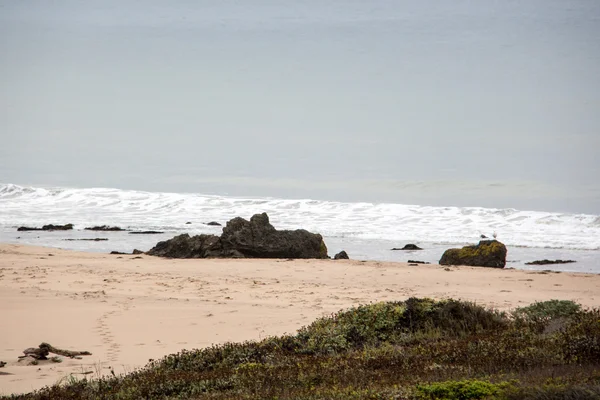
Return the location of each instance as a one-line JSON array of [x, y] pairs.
[[491, 104]]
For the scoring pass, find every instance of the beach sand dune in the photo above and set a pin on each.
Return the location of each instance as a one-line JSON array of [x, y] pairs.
[[128, 309]]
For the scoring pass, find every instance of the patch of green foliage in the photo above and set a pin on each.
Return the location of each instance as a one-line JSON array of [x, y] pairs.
[[460, 390], [555, 392], [395, 322], [323, 250], [485, 249], [413, 349], [545, 311]]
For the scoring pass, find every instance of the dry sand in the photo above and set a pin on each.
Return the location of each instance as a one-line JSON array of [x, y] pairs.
[[128, 309]]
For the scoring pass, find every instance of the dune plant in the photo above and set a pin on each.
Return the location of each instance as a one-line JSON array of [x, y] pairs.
[[413, 349]]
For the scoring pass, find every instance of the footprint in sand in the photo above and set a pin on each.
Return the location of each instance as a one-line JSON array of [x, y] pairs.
[[108, 339]]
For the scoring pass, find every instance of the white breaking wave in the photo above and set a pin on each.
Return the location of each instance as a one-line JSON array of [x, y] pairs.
[[396, 222]]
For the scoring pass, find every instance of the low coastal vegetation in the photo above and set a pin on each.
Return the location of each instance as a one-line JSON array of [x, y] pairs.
[[413, 349]]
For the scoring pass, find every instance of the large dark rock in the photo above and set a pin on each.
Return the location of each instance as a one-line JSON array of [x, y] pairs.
[[184, 246], [256, 238], [488, 253], [49, 227]]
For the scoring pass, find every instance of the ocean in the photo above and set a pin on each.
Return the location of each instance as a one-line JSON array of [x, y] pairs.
[[367, 231]]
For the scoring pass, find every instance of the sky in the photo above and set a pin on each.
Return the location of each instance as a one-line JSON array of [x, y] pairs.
[[469, 103]]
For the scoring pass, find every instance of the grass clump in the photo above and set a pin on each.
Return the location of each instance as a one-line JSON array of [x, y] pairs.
[[460, 390], [413, 349]]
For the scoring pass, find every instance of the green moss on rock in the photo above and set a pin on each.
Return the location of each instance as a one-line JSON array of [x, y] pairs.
[[323, 250], [488, 253]]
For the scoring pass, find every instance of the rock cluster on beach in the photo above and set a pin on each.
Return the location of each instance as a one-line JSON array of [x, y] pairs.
[[104, 228], [241, 238], [488, 253], [50, 227], [549, 262]]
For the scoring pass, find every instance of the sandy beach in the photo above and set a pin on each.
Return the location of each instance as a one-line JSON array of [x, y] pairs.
[[128, 309]]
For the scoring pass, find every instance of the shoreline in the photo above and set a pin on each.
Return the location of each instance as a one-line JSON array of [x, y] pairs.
[[376, 250], [127, 309]]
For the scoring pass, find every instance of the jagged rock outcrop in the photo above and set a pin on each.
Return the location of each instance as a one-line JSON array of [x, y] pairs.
[[488, 253], [256, 238]]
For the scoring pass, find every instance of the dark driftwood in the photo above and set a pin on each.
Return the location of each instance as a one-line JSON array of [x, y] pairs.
[[41, 353], [37, 353]]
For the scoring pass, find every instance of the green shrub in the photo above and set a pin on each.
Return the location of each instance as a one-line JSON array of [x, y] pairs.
[[395, 322], [575, 392], [580, 340], [460, 390], [545, 311], [379, 351]]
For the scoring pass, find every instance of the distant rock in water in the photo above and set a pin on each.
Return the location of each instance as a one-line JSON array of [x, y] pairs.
[[188, 223], [90, 240], [104, 228], [145, 232], [488, 253], [50, 227], [256, 238], [342, 255], [547, 262], [409, 246], [213, 223]]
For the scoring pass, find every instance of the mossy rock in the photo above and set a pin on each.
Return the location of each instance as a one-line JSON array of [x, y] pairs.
[[323, 250], [488, 253]]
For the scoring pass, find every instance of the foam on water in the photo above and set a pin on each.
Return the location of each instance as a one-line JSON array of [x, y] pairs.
[[363, 221]]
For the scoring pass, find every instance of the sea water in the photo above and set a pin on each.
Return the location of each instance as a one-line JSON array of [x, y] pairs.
[[367, 231]]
